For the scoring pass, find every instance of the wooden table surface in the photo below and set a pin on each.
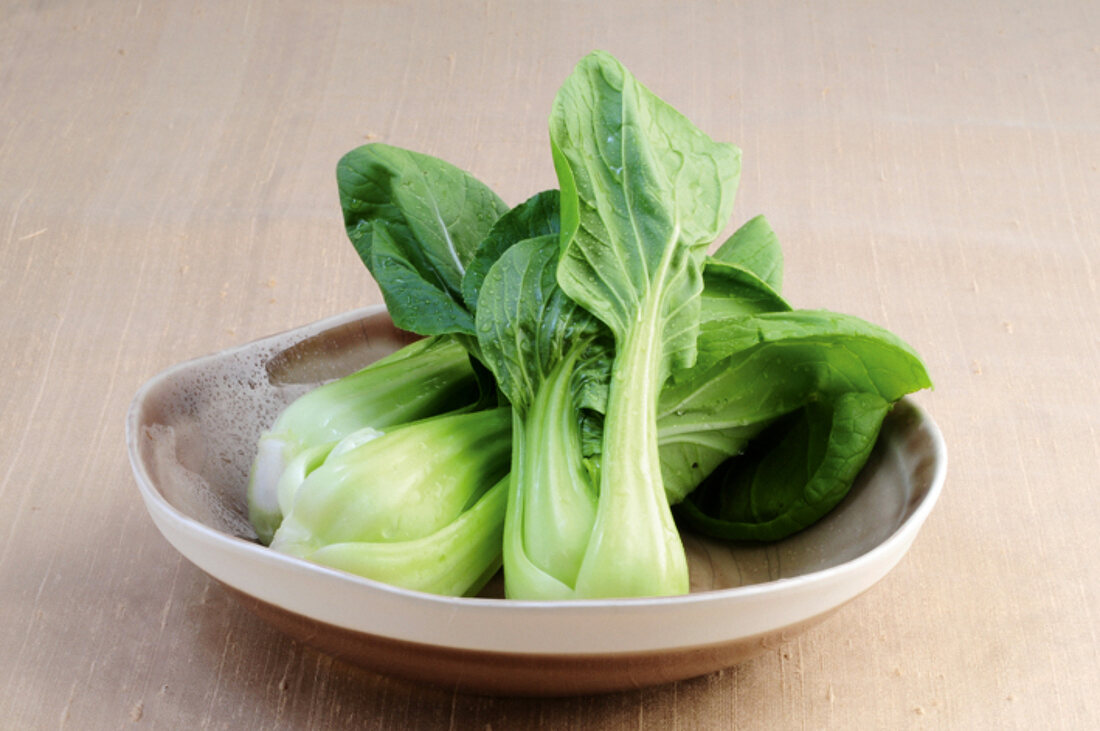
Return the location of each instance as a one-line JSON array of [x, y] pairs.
[[167, 190]]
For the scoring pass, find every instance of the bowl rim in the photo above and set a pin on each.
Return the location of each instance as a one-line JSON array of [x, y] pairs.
[[868, 567]]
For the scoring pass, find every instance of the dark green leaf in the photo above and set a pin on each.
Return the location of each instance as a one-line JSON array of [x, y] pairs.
[[416, 222], [415, 303], [537, 216], [526, 324], [794, 474]]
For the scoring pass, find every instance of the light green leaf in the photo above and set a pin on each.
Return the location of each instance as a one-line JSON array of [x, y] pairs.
[[755, 247], [692, 444], [776, 363], [643, 192], [833, 351]]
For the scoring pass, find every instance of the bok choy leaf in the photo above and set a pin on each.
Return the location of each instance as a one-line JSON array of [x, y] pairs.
[[540, 343], [416, 222], [643, 192]]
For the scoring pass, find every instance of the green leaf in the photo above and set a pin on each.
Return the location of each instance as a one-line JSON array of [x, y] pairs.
[[730, 291], [414, 302], [793, 475], [416, 222], [831, 352], [690, 454], [731, 295], [526, 324], [774, 364], [537, 216], [643, 192], [755, 247]]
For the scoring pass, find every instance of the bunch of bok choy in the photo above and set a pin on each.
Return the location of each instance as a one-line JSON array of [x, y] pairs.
[[591, 379]]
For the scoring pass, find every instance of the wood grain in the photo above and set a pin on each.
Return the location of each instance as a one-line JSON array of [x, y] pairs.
[[167, 190]]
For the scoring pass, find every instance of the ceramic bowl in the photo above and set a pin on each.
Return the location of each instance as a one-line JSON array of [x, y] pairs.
[[191, 435]]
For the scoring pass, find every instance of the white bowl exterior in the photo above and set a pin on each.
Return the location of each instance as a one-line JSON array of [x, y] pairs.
[[596, 626]]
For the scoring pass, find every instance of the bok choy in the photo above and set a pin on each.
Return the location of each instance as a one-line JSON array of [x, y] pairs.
[[591, 381]]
